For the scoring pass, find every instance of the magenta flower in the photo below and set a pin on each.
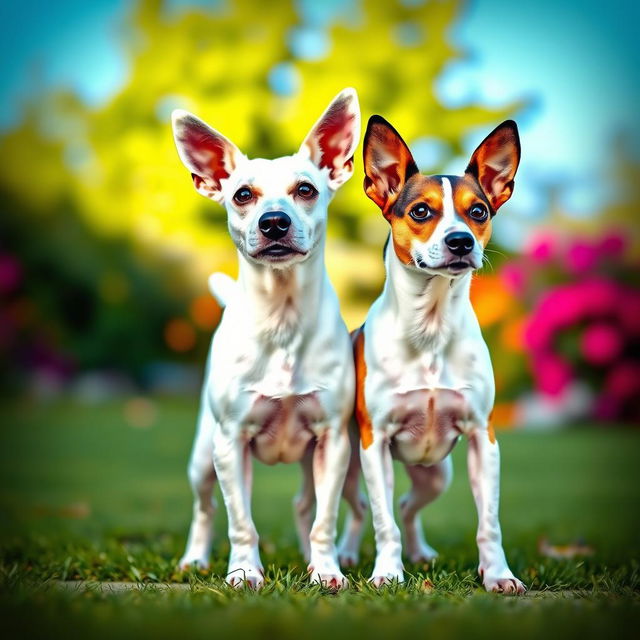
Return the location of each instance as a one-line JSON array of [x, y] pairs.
[[581, 257], [629, 312], [612, 244], [513, 277], [623, 381], [542, 248], [552, 373], [601, 343]]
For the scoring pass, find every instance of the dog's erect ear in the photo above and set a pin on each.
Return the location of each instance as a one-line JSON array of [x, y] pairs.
[[495, 162], [388, 163], [333, 139], [208, 155]]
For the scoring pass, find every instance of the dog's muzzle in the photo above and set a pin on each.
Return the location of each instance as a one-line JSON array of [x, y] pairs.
[[274, 224], [460, 243]]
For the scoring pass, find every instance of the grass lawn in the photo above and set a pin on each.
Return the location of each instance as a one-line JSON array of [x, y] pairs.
[[86, 496]]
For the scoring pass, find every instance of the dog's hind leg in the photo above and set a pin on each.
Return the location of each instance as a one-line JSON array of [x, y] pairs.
[[349, 545], [427, 483], [202, 477], [303, 504]]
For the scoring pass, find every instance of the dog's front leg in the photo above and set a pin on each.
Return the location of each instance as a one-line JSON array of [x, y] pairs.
[[483, 461], [377, 467], [330, 461], [232, 462]]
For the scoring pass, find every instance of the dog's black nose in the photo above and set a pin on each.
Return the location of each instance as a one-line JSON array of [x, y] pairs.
[[274, 224], [459, 242]]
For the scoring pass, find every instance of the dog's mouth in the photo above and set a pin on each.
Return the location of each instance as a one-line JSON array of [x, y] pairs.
[[278, 252], [458, 266], [454, 267]]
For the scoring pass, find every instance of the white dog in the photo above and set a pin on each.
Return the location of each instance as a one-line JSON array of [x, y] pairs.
[[423, 371], [279, 382]]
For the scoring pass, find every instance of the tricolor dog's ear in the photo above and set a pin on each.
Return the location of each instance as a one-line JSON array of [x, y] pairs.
[[209, 156], [333, 139], [388, 163], [495, 162]]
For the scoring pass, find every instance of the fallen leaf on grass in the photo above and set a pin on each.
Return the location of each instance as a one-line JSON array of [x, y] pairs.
[[427, 586], [564, 552]]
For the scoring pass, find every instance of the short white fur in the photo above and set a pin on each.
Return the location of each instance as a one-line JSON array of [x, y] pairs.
[[279, 381]]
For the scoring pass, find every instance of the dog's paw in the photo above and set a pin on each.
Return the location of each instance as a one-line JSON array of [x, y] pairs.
[[328, 575], [503, 582], [386, 575], [197, 562], [246, 576], [333, 581]]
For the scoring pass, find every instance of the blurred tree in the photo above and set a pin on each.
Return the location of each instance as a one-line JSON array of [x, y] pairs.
[[228, 66], [112, 171]]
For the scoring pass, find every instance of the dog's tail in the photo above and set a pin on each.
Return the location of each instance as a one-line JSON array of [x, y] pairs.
[[222, 288]]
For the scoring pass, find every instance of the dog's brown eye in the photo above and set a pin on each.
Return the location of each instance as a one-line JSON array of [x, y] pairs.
[[243, 195], [420, 212], [478, 212], [306, 190]]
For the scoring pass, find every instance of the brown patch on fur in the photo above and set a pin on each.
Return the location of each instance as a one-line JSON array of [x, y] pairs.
[[466, 193], [362, 415], [490, 430], [432, 419], [419, 189]]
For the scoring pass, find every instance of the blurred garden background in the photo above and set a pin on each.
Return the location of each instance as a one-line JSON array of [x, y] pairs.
[[105, 319], [105, 247]]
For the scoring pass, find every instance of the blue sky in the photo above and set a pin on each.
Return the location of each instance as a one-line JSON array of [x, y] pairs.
[[576, 61]]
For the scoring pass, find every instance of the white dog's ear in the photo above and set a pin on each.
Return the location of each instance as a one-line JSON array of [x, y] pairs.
[[209, 156], [388, 163], [334, 138], [495, 162]]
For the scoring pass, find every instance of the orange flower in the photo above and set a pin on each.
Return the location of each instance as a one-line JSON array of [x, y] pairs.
[[503, 415], [490, 299], [179, 335], [512, 334], [205, 312]]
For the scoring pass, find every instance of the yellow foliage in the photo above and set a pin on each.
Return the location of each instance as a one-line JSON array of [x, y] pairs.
[[126, 177]]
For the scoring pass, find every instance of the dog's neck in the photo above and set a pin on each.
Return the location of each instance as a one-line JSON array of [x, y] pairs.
[[283, 303], [428, 308]]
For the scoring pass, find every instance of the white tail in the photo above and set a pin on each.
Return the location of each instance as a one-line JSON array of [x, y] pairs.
[[222, 287]]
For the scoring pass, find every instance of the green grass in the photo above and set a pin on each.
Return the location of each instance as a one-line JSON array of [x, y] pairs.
[[86, 496]]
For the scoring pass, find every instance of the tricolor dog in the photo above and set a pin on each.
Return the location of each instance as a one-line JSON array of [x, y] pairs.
[[423, 371], [279, 383]]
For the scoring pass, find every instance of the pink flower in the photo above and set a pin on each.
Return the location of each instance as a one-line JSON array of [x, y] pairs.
[[513, 277], [581, 257], [601, 296], [566, 305], [612, 244], [542, 248], [601, 343], [623, 381], [552, 373], [629, 312]]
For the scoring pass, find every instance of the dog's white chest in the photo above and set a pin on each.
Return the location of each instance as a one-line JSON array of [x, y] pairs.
[[280, 429], [279, 379], [425, 424], [426, 401]]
